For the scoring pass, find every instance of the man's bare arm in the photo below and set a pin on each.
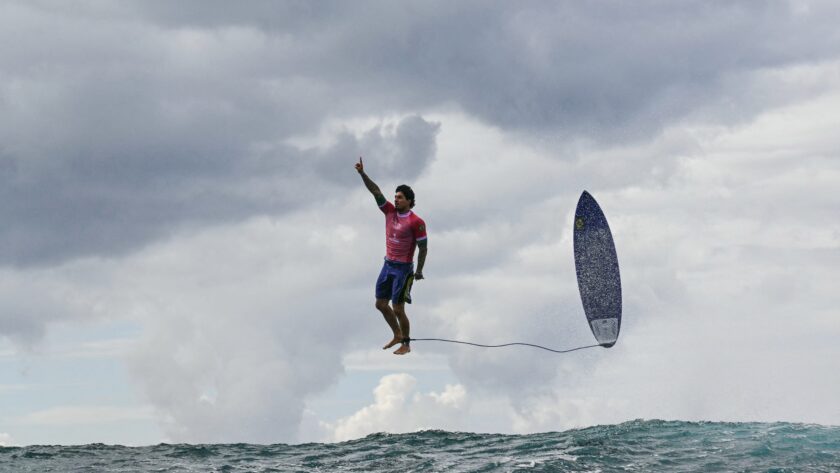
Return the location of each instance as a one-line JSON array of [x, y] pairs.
[[423, 246], [371, 186]]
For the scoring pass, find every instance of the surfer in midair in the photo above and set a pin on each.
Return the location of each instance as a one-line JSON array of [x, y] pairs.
[[404, 231]]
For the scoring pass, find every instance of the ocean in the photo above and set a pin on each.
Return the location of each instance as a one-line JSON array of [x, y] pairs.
[[649, 445]]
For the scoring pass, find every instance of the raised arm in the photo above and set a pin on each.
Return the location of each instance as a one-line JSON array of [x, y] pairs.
[[371, 186]]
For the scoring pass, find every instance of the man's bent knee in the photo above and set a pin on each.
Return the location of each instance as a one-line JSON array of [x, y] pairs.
[[381, 304], [399, 309]]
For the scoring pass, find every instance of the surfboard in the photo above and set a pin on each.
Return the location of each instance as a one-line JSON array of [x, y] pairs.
[[596, 265]]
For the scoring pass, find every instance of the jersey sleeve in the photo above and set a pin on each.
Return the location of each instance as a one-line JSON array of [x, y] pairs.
[[420, 230], [387, 207]]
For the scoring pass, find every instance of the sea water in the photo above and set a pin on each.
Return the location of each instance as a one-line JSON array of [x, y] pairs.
[[632, 446]]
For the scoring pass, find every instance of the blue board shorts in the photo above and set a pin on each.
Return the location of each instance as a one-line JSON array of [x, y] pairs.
[[395, 281]]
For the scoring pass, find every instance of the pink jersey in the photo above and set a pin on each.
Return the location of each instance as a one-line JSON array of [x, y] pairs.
[[402, 232]]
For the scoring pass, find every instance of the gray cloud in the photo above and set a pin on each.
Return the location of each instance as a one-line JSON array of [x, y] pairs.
[[400, 150], [120, 199], [123, 122], [597, 69], [29, 300], [105, 152]]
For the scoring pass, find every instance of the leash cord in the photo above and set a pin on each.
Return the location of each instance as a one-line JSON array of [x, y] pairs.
[[502, 345]]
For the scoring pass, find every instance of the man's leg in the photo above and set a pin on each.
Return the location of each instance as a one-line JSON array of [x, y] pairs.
[[382, 306], [402, 318]]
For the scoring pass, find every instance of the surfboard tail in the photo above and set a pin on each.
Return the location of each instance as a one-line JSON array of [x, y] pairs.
[[605, 331]]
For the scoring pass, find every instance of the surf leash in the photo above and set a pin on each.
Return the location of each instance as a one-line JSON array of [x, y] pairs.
[[502, 345]]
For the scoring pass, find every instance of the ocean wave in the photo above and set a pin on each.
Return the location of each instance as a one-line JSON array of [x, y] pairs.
[[640, 445]]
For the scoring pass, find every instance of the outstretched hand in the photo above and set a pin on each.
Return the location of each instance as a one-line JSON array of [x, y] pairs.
[[360, 166]]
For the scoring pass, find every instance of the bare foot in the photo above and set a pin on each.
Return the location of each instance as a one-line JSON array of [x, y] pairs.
[[403, 349], [392, 342]]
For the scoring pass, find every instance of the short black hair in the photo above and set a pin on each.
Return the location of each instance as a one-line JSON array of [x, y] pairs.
[[407, 192]]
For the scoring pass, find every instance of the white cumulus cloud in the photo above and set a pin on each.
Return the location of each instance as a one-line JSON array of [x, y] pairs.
[[398, 407]]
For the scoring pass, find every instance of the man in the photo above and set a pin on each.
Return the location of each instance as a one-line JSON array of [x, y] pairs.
[[404, 231]]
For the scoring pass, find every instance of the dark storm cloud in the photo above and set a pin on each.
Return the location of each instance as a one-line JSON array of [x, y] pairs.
[[597, 68], [114, 202], [122, 122]]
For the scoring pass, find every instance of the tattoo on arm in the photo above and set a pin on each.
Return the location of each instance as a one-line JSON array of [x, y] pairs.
[[374, 189], [421, 256], [371, 186]]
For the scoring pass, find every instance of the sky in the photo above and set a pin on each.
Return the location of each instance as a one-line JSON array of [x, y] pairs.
[[188, 255]]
